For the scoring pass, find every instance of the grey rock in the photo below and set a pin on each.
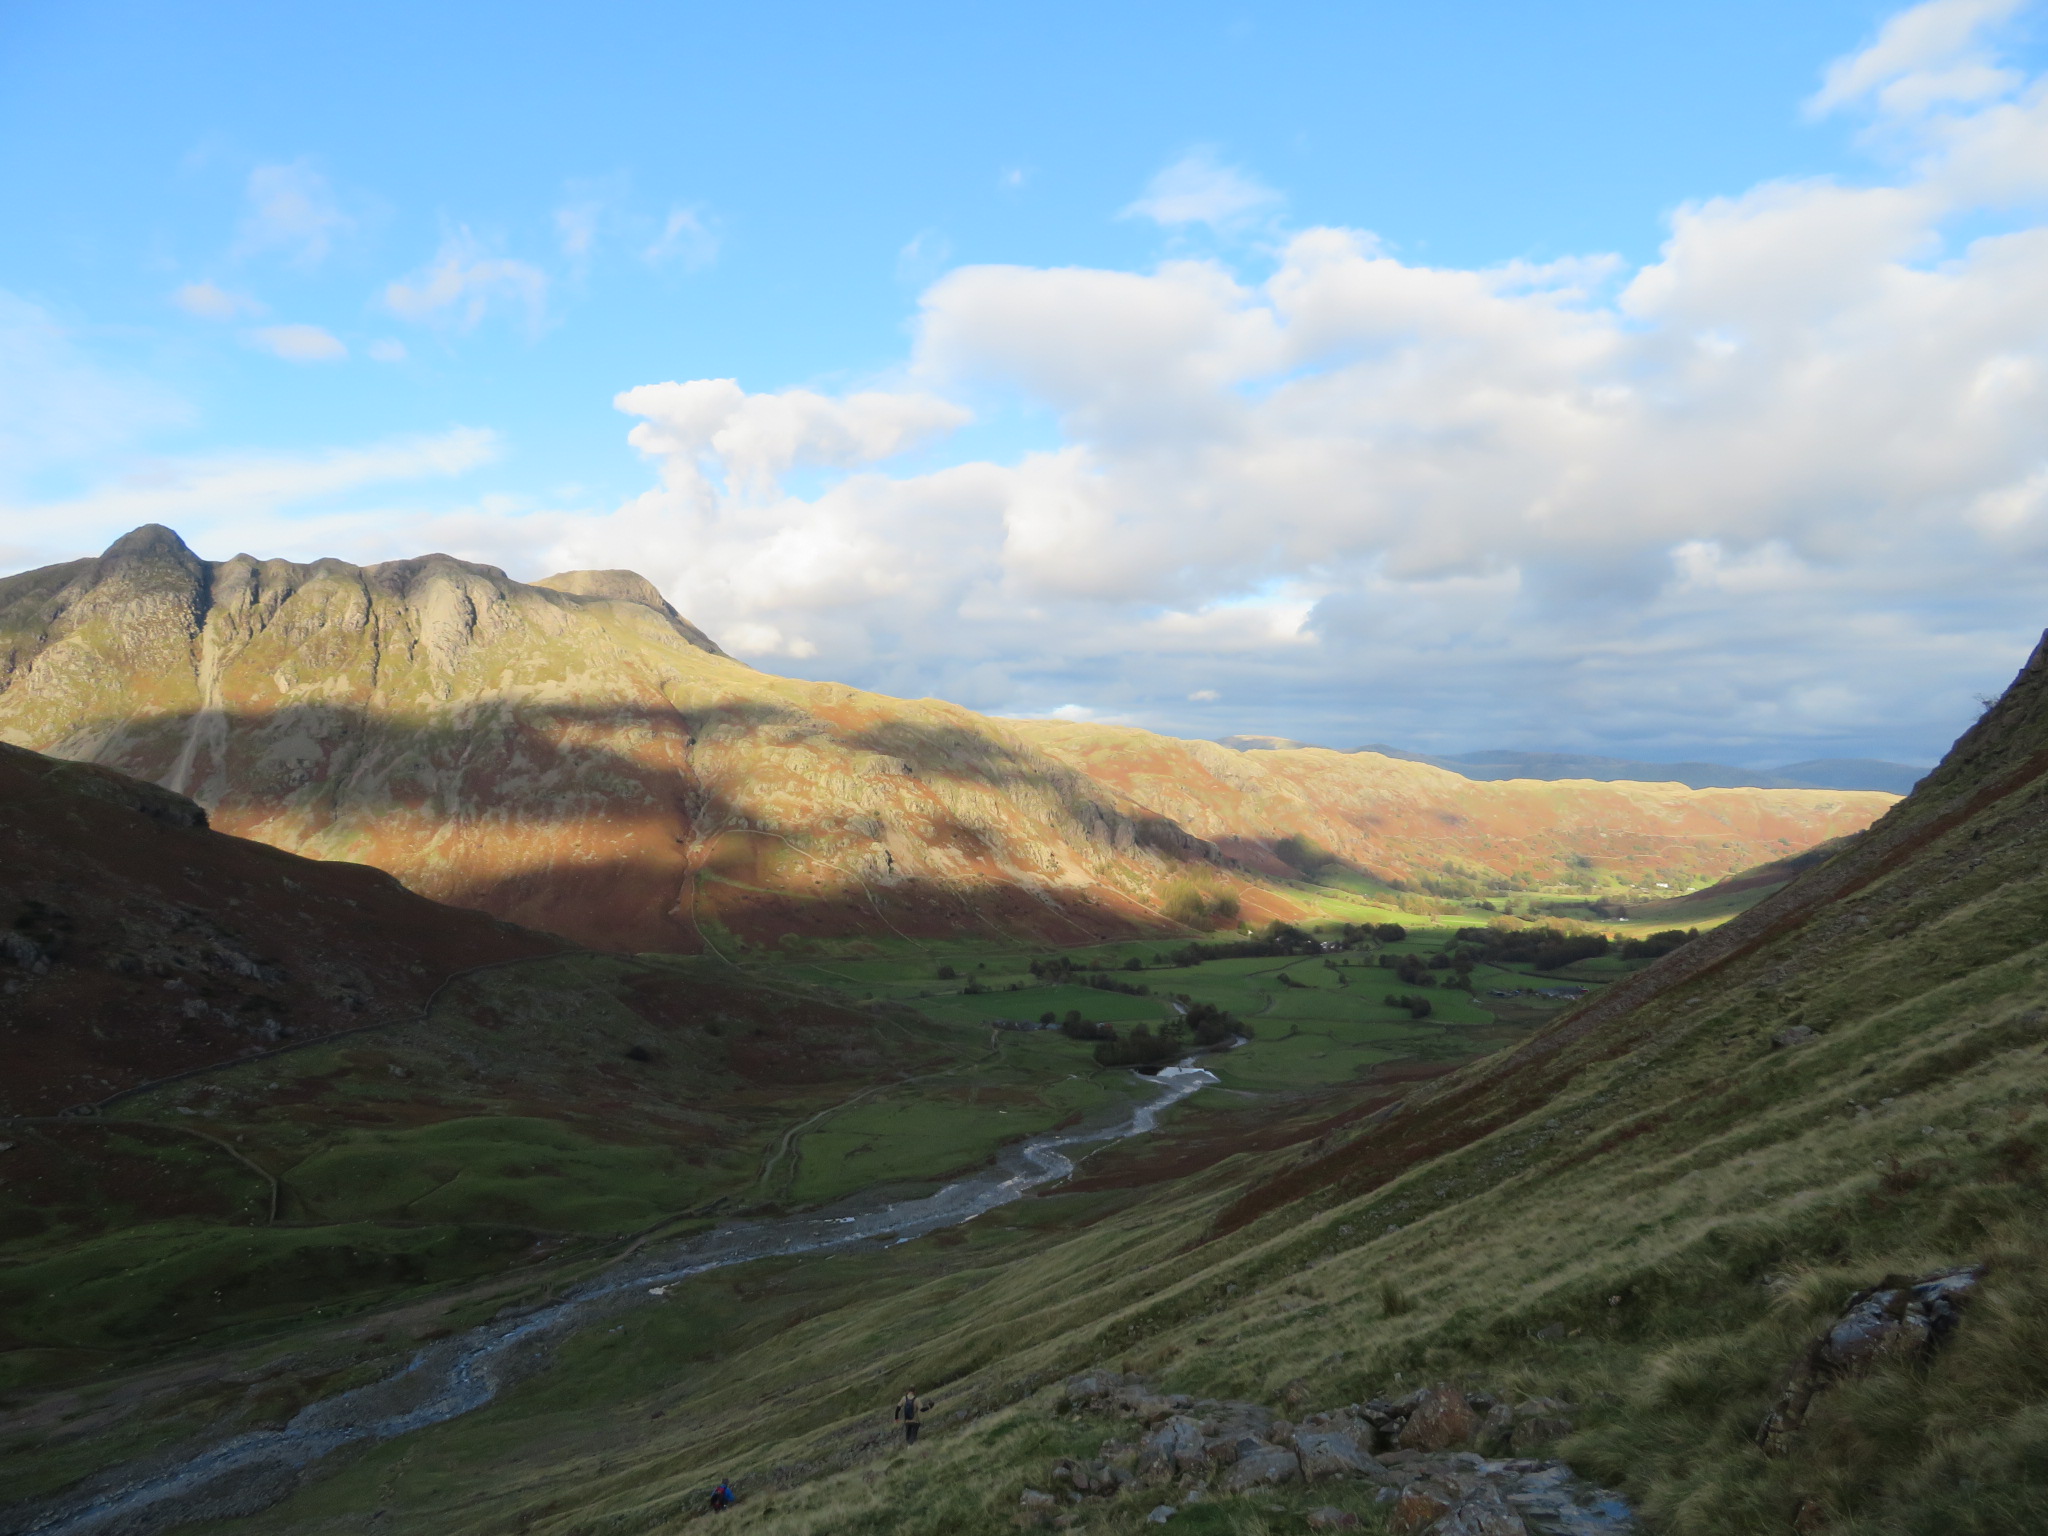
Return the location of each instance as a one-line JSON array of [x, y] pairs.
[[1161, 1513], [1175, 1446], [1262, 1467], [1334, 1453]]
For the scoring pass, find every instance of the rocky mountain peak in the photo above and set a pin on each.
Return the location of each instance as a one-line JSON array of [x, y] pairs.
[[152, 541], [625, 587]]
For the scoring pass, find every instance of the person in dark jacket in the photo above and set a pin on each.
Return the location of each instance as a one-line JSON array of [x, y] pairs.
[[907, 1411], [722, 1497]]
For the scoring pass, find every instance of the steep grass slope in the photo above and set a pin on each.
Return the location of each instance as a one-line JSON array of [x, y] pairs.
[[574, 756], [136, 943], [1649, 1209]]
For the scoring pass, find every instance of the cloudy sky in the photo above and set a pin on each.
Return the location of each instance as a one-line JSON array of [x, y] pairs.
[[1660, 381]]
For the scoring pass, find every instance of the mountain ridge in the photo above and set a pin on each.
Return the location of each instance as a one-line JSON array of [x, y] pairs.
[[575, 756]]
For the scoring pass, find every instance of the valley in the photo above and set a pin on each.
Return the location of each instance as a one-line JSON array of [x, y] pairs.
[[676, 1082]]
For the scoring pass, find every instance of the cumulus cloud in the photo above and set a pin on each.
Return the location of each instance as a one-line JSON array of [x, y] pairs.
[[299, 343], [1785, 485], [291, 211], [463, 284], [1200, 189]]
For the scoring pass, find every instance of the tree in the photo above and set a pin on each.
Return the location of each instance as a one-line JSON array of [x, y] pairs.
[[947, 973]]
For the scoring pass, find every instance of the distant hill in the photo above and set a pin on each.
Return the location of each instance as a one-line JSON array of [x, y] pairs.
[[1866, 773], [573, 755]]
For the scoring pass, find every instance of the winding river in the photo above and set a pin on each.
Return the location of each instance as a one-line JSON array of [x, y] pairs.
[[461, 1374]]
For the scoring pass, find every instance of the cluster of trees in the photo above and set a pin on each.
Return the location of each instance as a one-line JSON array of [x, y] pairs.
[[1062, 971], [1186, 902], [1210, 1025], [1546, 948], [1203, 1024], [1650, 946], [1074, 1027], [1276, 939], [1141, 1048], [1455, 969], [1384, 933], [1418, 1007]]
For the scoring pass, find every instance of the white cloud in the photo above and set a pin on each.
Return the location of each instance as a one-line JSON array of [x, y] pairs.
[[291, 211], [462, 285], [200, 494], [713, 426], [1199, 189], [386, 349], [299, 343], [1780, 485], [211, 302], [1924, 56], [688, 239]]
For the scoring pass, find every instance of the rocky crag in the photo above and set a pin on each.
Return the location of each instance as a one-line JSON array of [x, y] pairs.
[[575, 756]]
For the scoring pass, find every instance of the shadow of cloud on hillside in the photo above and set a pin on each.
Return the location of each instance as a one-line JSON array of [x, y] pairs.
[[621, 779]]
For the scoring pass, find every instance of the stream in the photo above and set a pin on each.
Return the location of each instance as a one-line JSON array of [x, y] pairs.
[[462, 1373]]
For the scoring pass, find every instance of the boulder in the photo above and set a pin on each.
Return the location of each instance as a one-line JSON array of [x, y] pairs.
[[1798, 1034], [1226, 1450], [1418, 1509], [1174, 1447], [1334, 1453], [1331, 1519], [1533, 1434], [1262, 1467], [1161, 1513], [1034, 1499], [1440, 1419]]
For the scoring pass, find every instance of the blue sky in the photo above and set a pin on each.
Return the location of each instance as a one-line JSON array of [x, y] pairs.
[[343, 283]]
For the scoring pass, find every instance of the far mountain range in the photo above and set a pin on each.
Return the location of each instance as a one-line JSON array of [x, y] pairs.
[[1815, 773]]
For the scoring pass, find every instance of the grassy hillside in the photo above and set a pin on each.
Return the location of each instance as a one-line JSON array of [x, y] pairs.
[[1649, 1208]]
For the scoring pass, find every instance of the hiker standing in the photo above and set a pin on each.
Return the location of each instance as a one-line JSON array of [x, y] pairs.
[[907, 1411]]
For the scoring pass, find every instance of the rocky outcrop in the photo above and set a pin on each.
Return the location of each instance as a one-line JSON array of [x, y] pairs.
[[1199, 1445], [1898, 1319]]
